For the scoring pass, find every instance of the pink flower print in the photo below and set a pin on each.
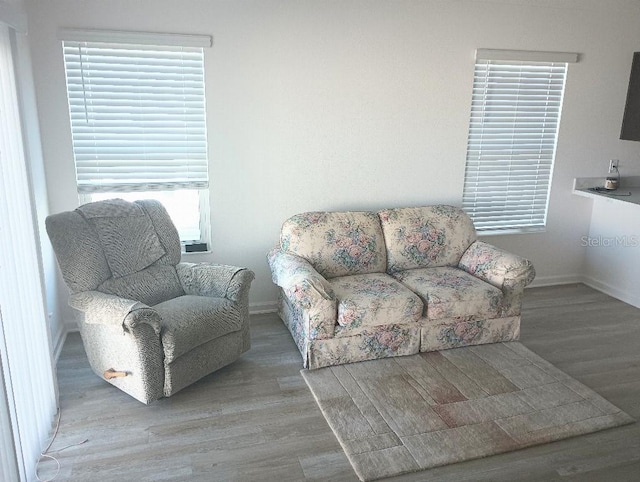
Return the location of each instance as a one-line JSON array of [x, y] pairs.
[[386, 338], [414, 238], [424, 246], [349, 316], [366, 258], [355, 251], [460, 330], [344, 242], [432, 234]]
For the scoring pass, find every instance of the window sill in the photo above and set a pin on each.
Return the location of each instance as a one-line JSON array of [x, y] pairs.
[[188, 255], [500, 232]]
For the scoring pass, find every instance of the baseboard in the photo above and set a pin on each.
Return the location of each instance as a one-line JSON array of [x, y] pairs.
[[618, 293], [58, 343], [262, 308], [556, 280]]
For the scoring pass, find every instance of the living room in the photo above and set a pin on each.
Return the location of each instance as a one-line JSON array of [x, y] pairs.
[[350, 105]]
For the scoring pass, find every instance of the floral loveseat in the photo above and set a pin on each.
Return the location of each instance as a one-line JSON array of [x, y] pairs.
[[363, 285]]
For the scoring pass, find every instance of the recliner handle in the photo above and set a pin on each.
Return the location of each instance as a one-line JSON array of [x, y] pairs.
[[111, 373]]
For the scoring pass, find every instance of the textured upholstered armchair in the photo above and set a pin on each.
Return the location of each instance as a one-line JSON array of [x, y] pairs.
[[150, 324]]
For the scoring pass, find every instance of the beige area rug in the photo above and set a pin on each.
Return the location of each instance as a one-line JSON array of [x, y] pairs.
[[412, 413]]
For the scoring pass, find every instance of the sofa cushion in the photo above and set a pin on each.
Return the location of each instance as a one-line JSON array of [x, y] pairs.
[[150, 286], [452, 293], [336, 244], [189, 321], [373, 299], [127, 235], [423, 237]]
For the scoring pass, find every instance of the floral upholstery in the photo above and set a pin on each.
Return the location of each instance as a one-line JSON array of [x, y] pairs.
[[357, 286], [367, 300], [308, 293], [337, 244], [456, 332], [377, 342], [450, 293], [425, 237]]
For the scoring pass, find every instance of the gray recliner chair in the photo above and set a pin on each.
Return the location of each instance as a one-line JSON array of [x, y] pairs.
[[150, 324]]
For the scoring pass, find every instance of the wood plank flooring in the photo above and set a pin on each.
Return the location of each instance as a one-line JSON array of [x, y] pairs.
[[256, 420]]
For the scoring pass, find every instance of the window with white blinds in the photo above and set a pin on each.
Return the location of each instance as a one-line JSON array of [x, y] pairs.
[[515, 115], [137, 109], [138, 121]]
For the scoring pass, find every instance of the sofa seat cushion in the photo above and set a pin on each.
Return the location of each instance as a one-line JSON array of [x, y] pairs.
[[372, 300], [452, 293], [189, 321]]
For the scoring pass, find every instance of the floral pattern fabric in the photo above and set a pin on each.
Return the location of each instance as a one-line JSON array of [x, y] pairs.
[[450, 292], [455, 332], [505, 270], [373, 299], [423, 237], [307, 291], [376, 342], [336, 244]]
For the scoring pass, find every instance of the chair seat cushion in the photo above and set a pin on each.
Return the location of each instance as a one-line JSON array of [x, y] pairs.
[[189, 321], [452, 293], [372, 300]]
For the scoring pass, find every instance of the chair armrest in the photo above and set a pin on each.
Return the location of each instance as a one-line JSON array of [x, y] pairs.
[[110, 310], [308, 290], [216, 280], [502, 269]]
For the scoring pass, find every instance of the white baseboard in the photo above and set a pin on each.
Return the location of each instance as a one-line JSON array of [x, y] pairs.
[[58, 343], [556, 280], [262, 308], [618, 293]]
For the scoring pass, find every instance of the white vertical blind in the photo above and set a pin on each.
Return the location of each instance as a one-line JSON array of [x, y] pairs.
[[137, 114], [515, 115], [25, 346]]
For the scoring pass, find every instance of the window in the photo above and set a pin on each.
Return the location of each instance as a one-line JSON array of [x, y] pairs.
[[138, 121], [515, 115]]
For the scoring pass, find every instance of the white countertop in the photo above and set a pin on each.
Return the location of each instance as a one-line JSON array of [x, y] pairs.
[[629, 190]]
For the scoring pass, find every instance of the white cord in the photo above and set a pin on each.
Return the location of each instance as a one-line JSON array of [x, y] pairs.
[[44, 453]]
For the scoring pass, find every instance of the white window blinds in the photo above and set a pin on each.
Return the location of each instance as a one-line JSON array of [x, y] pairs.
[[137, 111], [515, 114]]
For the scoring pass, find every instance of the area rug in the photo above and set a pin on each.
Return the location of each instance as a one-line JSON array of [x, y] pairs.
[[405, 414]]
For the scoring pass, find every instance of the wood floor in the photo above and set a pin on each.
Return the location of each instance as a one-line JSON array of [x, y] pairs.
[[257, 421]]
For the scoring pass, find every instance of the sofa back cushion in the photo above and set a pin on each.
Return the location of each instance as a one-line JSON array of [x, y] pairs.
[[337, 243], [424, 237]]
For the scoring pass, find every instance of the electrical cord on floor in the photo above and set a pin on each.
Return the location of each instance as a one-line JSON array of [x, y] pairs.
[[44, 453]]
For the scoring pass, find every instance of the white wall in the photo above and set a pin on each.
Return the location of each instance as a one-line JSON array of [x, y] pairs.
[[347, 104]]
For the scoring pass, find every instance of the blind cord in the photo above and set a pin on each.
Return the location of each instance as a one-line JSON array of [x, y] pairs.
[[44, 454]]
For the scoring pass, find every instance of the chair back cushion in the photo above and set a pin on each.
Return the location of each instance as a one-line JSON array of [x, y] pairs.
[[110, 245], [336, 243], [127, 236], [424, 237]]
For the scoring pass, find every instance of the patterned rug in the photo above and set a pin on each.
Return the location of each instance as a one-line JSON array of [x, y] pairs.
[[405, 414]]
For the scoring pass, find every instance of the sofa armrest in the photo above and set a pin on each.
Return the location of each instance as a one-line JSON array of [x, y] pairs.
[[215, 280], [500, 268], [308, 290], [110, 310]]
